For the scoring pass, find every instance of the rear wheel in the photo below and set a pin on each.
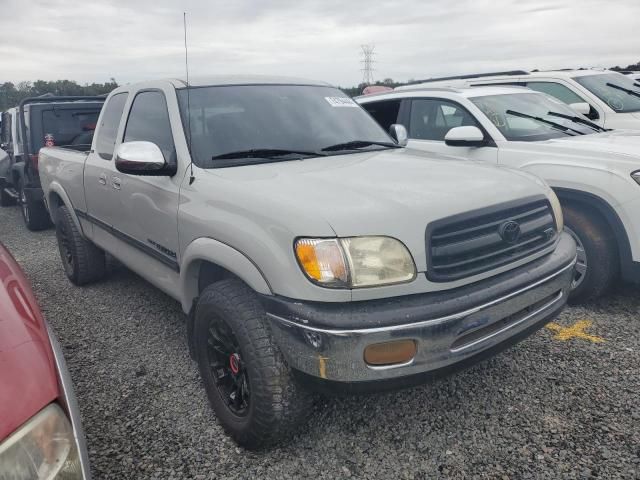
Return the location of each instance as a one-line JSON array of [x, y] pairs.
[[6, 200], [597, 262], [34, 213], [249, 386], [83, 262]]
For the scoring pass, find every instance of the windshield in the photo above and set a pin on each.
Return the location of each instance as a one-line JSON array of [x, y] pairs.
[[510, 114], [270, 120], [614, 89]]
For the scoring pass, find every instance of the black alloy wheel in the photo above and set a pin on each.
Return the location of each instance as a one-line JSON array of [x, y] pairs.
[[227, 367]]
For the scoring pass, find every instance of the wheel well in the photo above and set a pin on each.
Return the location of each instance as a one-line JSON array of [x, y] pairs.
[[596, 205], [211, 273], [55, 201], [207, 274]]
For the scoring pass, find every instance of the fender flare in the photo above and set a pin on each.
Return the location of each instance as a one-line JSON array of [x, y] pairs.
[[611, 217], [209, 250], [55, 189]]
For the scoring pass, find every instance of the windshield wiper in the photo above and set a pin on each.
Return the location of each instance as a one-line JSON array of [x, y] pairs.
[[266, 153], [555, 125], [577, 119], [625, 90], [357, 144]]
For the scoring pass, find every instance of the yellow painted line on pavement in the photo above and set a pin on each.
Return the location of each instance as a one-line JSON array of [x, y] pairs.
[[577, 330]]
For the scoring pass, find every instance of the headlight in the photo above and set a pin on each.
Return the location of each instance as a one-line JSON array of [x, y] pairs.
[[43, 448], [557, 210], [355, 261], [636, 176]]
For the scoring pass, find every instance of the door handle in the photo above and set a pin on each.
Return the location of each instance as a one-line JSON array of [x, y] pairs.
[[115, 182], [102, 179]]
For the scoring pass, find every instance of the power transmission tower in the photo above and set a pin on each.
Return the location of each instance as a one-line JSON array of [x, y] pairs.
[[367, 63]]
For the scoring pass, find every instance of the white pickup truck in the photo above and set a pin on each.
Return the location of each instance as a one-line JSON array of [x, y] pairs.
[[596, 173], [305, 245]]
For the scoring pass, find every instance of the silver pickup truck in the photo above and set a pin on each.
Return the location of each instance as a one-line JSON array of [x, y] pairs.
[[306, 246]]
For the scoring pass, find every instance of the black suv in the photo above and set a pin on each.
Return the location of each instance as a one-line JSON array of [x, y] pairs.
[[42, 121]]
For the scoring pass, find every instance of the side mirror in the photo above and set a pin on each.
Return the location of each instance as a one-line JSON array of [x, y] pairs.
[[140, 158], [468, 136], [582, 108], [399, 134]]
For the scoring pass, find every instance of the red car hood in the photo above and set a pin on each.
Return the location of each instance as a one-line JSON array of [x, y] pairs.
[[28, 379]]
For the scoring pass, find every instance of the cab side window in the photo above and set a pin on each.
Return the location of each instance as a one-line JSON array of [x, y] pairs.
[[562, 93], [108, 129], [384, 112], [149, 121], [431, 119]]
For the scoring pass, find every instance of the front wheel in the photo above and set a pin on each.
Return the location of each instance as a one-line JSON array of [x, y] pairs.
[[597, 262], [249, 386]]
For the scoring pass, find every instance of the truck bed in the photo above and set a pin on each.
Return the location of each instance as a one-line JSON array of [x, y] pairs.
[[63, 166]]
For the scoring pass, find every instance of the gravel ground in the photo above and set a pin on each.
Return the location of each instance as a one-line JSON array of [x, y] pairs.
[[544, 409]]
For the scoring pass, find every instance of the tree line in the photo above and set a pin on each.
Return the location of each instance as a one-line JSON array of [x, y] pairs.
[[11, 94]]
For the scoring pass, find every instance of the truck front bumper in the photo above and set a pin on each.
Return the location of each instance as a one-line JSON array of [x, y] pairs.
[[452, 328]]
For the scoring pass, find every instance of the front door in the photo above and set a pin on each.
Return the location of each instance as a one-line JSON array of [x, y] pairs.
[[147, 217], [429, 121]]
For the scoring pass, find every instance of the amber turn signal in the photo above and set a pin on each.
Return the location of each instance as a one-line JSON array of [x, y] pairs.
[[390, 353]]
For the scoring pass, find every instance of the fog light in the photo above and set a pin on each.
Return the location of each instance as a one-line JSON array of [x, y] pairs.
[[390, 353]]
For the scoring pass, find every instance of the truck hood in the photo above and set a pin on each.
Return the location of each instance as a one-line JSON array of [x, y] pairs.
[[384, 192]]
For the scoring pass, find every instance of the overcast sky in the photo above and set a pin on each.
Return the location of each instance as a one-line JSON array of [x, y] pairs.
[[133, 40]]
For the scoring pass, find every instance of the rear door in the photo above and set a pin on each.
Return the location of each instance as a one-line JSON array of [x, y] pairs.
[[385, 112], [430, 119], [5, 130], [102, 199]]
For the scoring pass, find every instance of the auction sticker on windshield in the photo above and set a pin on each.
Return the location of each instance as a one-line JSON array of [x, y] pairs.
[[340, 102]]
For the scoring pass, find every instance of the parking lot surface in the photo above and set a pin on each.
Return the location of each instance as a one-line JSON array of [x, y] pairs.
[[562, 404]]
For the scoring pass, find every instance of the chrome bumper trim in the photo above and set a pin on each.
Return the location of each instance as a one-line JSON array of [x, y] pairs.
[[434, 321], [338, 355]]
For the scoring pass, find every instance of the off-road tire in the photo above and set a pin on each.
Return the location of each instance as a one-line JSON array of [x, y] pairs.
[[600, 248], [83, 262], [277, 404], [35, 214]]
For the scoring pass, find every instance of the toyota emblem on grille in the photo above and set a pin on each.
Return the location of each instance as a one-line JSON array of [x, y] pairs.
[[509, 231]]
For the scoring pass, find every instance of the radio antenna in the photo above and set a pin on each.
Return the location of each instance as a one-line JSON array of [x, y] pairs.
[[186, 67]]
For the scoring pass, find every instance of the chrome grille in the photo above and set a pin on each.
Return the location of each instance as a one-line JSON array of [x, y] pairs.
[[469, 244]]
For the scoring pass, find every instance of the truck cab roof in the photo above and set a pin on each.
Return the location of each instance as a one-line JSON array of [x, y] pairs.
[[225, 80]]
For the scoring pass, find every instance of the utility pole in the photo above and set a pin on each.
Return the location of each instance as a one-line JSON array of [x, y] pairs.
[[367, 63]]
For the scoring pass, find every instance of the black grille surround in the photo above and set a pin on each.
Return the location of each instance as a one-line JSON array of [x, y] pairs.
[[471, 243]]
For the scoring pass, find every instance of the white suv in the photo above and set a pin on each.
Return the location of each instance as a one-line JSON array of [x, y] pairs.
[[594, 172], [609, 98]]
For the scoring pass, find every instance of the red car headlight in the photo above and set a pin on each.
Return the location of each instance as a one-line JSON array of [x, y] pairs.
[[43, 448]]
